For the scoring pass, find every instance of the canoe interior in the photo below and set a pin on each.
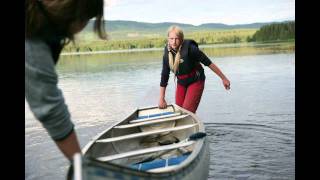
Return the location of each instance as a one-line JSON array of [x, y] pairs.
[[97, 150]]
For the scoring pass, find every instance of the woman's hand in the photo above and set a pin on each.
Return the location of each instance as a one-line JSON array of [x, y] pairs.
[[162, 103], [226, 83]]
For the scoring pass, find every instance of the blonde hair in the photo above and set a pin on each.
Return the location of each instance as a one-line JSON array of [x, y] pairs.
[[174, 63]]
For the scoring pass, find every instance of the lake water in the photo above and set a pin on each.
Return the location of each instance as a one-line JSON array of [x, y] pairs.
[[251, 128]]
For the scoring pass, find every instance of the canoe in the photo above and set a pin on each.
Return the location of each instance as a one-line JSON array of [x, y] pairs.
[[151, 143]]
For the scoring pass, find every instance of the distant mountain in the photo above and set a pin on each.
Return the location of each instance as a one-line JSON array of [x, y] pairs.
[[139, 26], [133, 26], [120, 25], [135, 30], [237, 26]]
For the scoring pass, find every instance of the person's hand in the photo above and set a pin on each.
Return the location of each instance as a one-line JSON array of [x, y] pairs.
[[162, 103], [226, 83]]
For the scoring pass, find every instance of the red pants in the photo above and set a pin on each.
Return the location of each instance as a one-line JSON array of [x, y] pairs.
[[189, 97]]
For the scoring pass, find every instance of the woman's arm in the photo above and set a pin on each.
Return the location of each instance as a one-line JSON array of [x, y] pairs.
[[164, 81], [198, 55], [45, 99], [162, 101], [225, 81]]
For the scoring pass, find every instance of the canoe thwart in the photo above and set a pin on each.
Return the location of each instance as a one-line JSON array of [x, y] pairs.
[[145, 151], [142, 134]]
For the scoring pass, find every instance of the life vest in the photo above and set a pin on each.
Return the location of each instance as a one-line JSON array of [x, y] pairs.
[[189, 70], [196, 74]]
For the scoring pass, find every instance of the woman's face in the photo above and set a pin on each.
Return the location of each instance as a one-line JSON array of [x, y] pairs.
[[174, 40]]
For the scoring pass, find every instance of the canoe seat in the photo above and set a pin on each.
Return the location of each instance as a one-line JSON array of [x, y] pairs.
[[155, 121], [154, 116], [145, 151], [160, 163]]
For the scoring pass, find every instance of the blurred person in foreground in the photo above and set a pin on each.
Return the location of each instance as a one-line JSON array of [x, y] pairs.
[[50, 25]]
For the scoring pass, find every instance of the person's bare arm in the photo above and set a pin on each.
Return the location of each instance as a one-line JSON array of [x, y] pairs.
[[162, 101], [69, 146], [225, 81]]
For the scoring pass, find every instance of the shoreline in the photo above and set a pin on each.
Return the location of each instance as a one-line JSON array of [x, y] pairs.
[[245, 44], [110, 51]]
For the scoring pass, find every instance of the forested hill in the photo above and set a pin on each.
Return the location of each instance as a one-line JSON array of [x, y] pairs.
[[275, 31], [133, 26]]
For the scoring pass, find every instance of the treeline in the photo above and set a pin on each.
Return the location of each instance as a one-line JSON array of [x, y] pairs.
[[275, 32], [99, 45], [203, 38], [221, 36]]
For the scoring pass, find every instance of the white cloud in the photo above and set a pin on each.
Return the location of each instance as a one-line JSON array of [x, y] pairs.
[[110, 3], [197, 12]]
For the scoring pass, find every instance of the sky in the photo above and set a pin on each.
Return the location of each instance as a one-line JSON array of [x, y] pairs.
[[198, 12]]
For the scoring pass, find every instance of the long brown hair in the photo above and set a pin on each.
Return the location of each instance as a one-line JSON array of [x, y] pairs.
[[48, 18]]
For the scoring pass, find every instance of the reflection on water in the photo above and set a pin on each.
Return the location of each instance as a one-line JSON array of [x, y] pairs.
[[250, 49], [250, 127], [110, 62]]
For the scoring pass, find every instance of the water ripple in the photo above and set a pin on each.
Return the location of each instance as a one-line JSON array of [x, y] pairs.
[[250, 151]]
